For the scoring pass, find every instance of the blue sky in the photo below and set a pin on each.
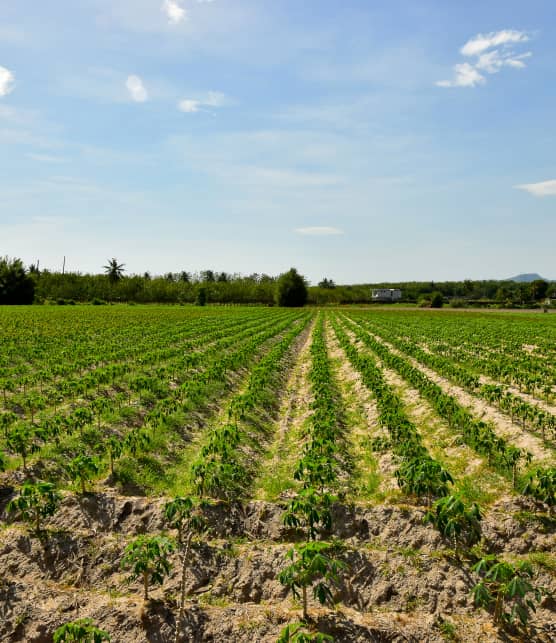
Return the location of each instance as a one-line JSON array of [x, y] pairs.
[[358, 140]]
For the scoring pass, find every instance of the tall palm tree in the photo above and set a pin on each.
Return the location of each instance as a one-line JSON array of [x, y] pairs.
[[114, 270]]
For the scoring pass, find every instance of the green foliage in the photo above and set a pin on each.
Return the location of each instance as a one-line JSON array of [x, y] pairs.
[[147, 558], [455, 521], [313, 567], [310, 510], [541, 484], [36, 500], [202, 296], [114, 270], [507, 590], [82, 470], [186, 515], [539, 288], [437, 300], [423, 476], [23, 440], [291, 289], [297, 633], [80, 631], [16, 285]]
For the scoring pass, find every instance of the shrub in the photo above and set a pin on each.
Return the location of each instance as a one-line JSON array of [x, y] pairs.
[[437, 300]]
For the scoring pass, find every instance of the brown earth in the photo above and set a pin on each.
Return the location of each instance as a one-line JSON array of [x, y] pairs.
[[402, 579]]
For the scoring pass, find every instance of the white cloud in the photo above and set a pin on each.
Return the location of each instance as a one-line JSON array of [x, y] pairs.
[[7, 81], [481, 42], [319, 231], [211, 99], [491, 52], [189, 105], [544, 188], [136, 89], [174, 11], [465, 75]]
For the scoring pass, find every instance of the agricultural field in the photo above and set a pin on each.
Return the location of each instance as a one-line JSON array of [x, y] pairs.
[[246, 474]]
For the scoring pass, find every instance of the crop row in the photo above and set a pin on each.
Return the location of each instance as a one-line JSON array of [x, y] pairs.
[[418, 473], [226, 462], [531, 415], [476, 433]]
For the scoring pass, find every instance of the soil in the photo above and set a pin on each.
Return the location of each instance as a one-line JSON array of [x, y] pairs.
[[402, 580]]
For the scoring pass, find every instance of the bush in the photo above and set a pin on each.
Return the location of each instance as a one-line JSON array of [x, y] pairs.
[[17, 287], [291, 290], [98, 302], [437, 300]]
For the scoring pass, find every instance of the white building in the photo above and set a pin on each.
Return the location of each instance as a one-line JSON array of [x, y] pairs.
[[386, 294]]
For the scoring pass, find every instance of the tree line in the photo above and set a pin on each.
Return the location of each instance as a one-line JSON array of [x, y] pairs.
[[21, 285]]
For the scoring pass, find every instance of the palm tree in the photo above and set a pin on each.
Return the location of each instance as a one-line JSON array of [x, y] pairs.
[[114, 270]]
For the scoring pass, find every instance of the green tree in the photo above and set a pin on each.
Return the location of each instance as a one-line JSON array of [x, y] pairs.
[[36, 500], [291, 290], [147, 558], [539, 288], [327, 283], [17, 287], [114, 270], [201, 296], [80, 631]]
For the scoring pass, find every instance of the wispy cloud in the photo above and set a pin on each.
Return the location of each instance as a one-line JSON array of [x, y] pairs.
[[491, 52], [481, 42], [544, 188], [45, 158], [136, 89], [7, 81], [211, 99], [174, 11], [319, 231]]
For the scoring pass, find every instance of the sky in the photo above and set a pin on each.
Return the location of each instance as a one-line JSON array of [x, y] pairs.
[[361, 140]]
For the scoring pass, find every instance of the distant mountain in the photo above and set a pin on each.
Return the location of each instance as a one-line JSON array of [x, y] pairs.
[[527, 278]]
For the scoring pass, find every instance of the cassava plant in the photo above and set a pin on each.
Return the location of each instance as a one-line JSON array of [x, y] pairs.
[[82, 470], [147, 558], [185, 515], [298, 633], [35, 501], [81, 631], [455, 521], [506, 590], [312, 566]]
